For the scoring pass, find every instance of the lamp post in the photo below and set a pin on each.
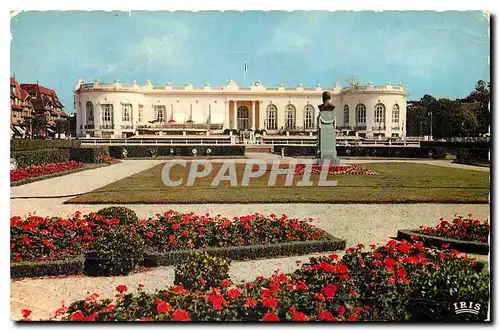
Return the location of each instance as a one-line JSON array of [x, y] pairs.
[[431, 125]]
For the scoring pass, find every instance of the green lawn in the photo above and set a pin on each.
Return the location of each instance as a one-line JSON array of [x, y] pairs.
[[394, 183]]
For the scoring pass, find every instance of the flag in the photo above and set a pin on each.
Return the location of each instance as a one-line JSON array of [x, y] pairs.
[[246, 66]]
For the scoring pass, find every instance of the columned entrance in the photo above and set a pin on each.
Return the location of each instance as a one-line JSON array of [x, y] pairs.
[[243, 115], [243, 118]]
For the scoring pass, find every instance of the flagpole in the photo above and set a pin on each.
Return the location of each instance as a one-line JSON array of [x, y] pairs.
[[245, 75]]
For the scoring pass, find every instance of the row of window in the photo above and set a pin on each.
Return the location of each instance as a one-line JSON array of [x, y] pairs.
[[379, 113], [243, 121]]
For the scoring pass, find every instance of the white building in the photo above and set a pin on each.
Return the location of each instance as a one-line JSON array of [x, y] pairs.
[[122, 110]]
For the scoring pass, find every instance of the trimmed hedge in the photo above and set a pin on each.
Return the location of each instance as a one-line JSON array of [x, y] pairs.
[[35, 144], [87, 154], [152, 150], [433, 241], [155, 259], [379, 151], [40, 156], [71, 266]]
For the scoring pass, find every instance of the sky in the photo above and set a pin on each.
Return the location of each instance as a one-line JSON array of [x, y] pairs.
[[439, 53]]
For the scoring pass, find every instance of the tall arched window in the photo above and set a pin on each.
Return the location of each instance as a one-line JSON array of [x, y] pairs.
[[361, 114], [271, 118], [243, 122], [160, 113], [90, 112], [346, 115], [290, 117], [395, 113], [308, 117], [379, 113], [127, 112]]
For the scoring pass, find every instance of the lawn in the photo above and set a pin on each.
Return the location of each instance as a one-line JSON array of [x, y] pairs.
[[394, 183]]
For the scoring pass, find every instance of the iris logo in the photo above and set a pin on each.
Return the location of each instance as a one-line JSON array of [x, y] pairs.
[[467, 307]]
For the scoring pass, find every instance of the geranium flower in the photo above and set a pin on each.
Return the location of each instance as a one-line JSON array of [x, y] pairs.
[[90, 317], [180, 315], [329, 291], [234, 293], [341, 310], [270, 302], [299, 317], [271, 317], [404, 247], [163, 307], [217, 301], [225, 283], [121, 288], [77, 316], [326, 316], [179, 289], [250, 302], [26, 312]]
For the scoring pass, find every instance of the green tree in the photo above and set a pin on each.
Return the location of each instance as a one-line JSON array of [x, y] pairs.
[[481, 95], [61, 126]]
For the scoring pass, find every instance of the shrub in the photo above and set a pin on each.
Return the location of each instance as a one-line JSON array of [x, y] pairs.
[[201, 271], [461, 228], [40, 156], [124, 214], [115, 252], [87, 154], [35, 144]]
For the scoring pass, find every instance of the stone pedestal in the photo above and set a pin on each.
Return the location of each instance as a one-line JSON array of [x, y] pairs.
[[326, 133]]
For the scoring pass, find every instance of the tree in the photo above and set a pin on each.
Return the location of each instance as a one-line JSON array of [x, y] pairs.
[[38, 124], [61, 126], [481, 95]]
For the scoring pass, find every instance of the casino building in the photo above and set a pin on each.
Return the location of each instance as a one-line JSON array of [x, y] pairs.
[[123, 110]]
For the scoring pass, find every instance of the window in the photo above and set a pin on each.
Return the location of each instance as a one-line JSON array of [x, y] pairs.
[[379, 113], [159, 112], [107, 114], [139, 114], [361, 113], [309, 117], [243, 122], [395, 113], [90, 112], [126, 112], [290, 117], [346, 115], [271, 117]]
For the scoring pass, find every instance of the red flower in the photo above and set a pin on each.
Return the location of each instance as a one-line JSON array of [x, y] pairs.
[[419, 246], [163, 307], [414, 237], [26, 312], [326, 316], [300, 317], [445, 246], [389, 261], [180, 315], [302, 286], [179, 289], [274, 286], [91, 317], [401, 273], [329, 291], [270, 317], [217, 301], [225, 283], [404, 247], [250, 302], [77, 316], [234, 293], [319, 296], [270, 302], [121, 288], [176, 226], [341, 310], [26, 240], [146, 319], [352, 317]]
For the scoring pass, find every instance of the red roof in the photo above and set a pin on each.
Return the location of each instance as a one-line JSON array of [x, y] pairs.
[[18, 92]]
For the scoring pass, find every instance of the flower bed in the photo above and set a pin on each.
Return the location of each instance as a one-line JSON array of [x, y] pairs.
[[42, 170], [103, 158], [467, 229], [169, 236], [394, 282], [348, 169]]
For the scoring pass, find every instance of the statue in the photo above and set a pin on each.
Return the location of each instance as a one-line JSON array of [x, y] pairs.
[[326, 132]]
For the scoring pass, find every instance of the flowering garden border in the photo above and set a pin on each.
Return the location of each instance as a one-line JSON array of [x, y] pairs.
[[249, 252], [75, 265], [461, 245]]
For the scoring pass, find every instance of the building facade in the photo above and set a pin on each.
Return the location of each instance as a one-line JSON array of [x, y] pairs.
[[45, 103], [21, 109], [122, 110]]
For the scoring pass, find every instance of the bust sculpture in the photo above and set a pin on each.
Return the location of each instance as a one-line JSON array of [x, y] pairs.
[[327, 152]]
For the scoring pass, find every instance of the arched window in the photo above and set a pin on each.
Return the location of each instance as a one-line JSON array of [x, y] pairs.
[[308, 117], [290, 117], [127, 112], [360, 114], [379, 113], [346, 115], [271, 118], [395, 113], [90, 112], [160, 113], [243, 122]]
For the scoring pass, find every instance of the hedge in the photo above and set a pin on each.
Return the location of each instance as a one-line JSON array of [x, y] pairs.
[[71, 266], [87, 154], [34, 144], [380, 151], [174, 150], [433, 241], [155, 259], [40, 156]]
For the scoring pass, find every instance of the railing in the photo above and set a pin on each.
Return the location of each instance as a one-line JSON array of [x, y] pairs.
[[182, 126], [127, 126], [160, 141], [89, 126], [378, 127], [107, 126]]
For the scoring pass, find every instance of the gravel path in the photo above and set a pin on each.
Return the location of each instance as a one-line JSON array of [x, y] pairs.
[[356, 223], [83, 181]]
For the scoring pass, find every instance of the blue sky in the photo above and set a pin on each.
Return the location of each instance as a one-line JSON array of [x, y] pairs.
[[438, 53]]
